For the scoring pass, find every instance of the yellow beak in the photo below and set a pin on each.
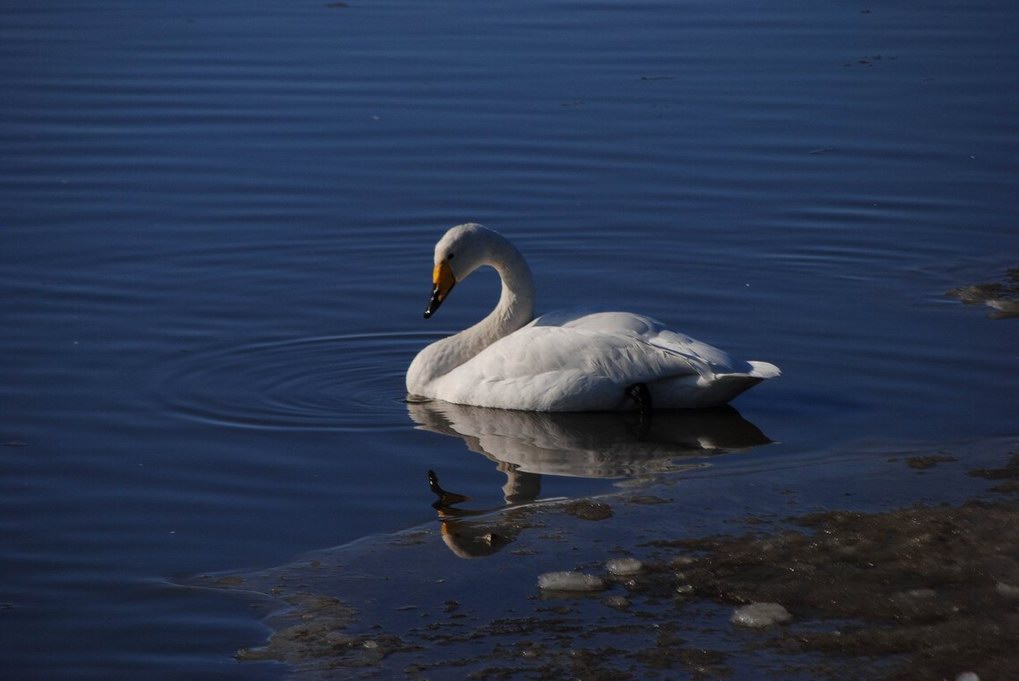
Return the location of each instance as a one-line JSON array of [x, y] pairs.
[[443, 281]]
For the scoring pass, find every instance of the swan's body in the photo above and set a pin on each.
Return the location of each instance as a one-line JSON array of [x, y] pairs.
[[562, 361]]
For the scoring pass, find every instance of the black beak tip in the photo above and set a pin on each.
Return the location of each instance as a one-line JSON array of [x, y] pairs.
[[433, 304]]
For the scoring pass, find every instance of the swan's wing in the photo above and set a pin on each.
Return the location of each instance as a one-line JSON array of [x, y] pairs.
[[538, 350], [585, 361], [563, 368], [706, 359]]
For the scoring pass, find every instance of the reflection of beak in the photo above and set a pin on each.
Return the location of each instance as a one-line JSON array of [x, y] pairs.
[[443, 282], [446, 499]]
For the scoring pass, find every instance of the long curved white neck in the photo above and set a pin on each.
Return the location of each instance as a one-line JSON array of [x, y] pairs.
[[514, 310], [516, 301]]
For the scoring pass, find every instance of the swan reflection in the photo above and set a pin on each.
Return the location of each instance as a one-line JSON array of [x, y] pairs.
[[527, 445]]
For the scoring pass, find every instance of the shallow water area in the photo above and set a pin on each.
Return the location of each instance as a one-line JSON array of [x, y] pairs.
[[889, 591], [216, 228]]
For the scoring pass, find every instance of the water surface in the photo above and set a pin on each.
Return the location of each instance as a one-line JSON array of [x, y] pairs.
[[217, 222]]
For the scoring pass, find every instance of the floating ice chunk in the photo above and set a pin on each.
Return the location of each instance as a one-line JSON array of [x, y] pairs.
[[569, 581], [623, 566], [760, 615], [617, 602], [1007, 590], [917, 594], [922, 593]]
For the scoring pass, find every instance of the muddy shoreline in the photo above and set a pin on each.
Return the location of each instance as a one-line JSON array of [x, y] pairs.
[[926, 588]]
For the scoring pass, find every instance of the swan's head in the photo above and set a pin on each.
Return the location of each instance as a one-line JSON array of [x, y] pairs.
[[460, 251]]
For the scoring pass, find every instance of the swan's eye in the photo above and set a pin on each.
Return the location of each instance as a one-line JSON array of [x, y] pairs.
[[450, 256]]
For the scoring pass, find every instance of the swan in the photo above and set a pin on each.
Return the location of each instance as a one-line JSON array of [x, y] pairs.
[[562, 361]]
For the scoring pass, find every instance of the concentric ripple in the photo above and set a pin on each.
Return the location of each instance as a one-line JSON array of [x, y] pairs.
[[350, 382]]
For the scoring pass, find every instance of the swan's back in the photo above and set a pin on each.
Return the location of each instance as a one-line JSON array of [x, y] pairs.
[[569, 361]]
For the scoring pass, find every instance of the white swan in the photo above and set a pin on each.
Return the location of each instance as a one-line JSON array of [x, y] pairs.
[[561, 361]]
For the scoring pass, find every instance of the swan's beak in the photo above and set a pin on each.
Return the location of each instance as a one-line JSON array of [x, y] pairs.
[[443, 281]]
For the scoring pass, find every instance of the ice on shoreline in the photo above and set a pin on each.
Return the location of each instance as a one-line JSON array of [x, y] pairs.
[[570, 581], [758, 615], [623, 566]]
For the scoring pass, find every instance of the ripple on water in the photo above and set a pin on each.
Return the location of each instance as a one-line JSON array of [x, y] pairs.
[[350, 382]]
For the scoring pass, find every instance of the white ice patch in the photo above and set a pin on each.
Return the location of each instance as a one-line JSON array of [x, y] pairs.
[[624, 566], [1007, 590], [569, 581], [760, 615]]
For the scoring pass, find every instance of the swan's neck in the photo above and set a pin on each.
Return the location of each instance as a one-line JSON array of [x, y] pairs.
[[514, 310], [516, 301]]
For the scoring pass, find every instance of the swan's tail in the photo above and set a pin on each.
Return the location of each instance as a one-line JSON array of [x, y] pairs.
[[723, 388], [710, 390], [764, 370]]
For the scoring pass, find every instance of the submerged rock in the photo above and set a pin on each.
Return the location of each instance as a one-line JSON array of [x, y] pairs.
[[585, 509], [618, 602], [1002, 297]]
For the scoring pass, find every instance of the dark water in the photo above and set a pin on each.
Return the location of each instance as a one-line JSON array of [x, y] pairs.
[[216, 223]]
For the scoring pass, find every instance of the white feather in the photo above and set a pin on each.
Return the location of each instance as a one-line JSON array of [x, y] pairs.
[[565, 361]]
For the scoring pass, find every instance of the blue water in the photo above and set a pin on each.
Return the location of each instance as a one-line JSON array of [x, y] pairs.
[[216, 223]]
